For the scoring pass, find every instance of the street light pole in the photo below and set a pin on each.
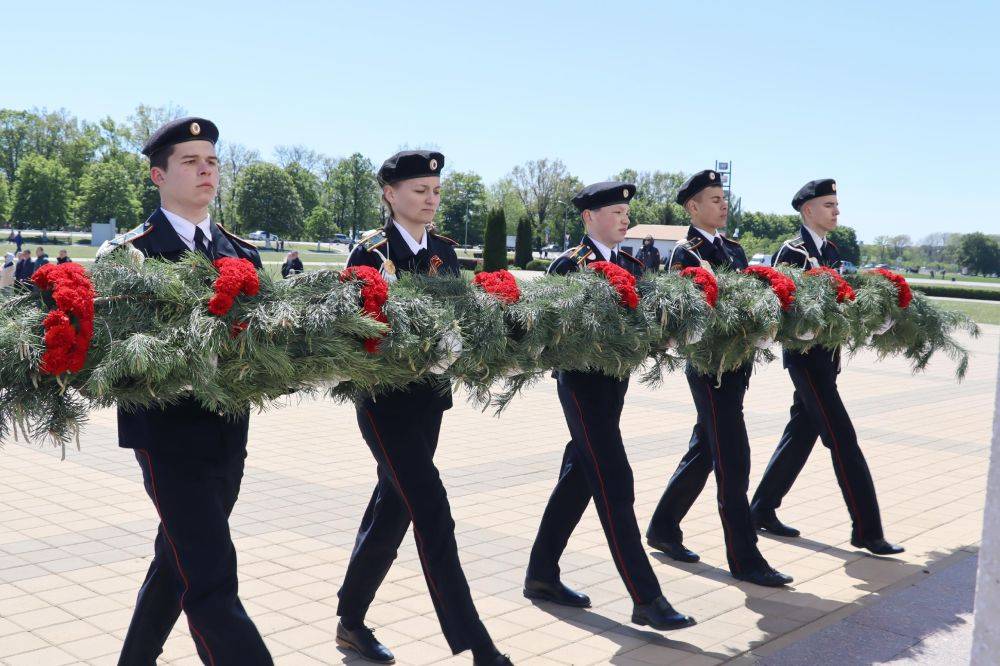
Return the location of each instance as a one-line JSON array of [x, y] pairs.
[[564, 204]]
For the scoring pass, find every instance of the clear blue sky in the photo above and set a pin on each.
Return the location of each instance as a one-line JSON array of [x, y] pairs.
[[898, 101]]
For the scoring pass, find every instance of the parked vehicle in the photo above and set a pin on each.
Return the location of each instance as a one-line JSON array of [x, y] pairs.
[[760, 260], [847, 268], [261, 235]]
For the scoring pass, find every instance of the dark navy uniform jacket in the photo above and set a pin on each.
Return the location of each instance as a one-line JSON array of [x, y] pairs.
[[801, 252], [387, 244], [689, 253], [185, 428], [585, 253]]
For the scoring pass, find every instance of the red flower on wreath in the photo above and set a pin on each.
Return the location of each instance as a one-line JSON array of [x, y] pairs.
[[705, 280], [782, 285], [620, 279], [236, 276], [66, 345], [844, 290], [374, 294], [903, 293], [499, 283]]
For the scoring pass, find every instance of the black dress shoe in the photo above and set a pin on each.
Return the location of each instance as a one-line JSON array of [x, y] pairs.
[[877, 546], [496, 660], [765, 576], [675, 550], [362, 640], [659, 614], [555, 592], [770, 523]]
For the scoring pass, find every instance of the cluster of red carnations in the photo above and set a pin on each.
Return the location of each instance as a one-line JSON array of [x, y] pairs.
[[499, 283], [844, 290], [903, 293], [705, 280], [69, 327], [236, 277], [374, 294], [782, 285], [620, 279]]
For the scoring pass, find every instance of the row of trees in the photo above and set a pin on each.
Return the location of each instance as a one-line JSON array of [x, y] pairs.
[[59, 172]]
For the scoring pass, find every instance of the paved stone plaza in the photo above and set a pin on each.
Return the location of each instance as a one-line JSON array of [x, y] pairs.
[[76, 535]]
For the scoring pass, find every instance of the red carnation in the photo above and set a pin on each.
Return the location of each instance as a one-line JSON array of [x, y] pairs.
[[374, 294], [620, 279], [236, 276], [844, 290], [903, 293], [782, 285], [66, 345], [705, 280], [499, 283]]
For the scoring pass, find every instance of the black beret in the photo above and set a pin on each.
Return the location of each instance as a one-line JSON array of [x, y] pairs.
[[813, 189], [179, 131], [697, 183], [410, 164], [604, 194]]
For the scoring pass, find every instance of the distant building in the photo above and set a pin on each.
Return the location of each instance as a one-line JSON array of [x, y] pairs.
[[665, 237]]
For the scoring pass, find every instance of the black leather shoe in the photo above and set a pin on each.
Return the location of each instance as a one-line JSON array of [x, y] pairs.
[[659, 614], [496, 660], [675, 550], [877, 546], [770, 523], [363, 641], [555, 592], [765, 576]]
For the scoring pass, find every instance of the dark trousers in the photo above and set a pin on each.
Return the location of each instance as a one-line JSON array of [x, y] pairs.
[[718, 442], [194, 566], [818, 412], [595, 467], [409, 490]]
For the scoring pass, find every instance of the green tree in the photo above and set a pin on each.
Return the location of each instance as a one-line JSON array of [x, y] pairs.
[[320, 224], [979, 253], [41, 194], [233, 158], [523, 242], [353, 193], [463, 207], [107, 190], [541, 185], [265, 198], [846, 241], [306, 184], [4, 198], [495, 241]]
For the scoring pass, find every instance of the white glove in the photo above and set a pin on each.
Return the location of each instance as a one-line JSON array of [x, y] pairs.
[[886, 325], [450, 346]]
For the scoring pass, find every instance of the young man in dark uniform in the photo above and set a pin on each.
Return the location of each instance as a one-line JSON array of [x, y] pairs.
[[595, 465], [191, 458], [719, 439], [817, 409]]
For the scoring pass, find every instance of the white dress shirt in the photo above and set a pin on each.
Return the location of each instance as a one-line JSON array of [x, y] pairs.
[[410, 241], [185, 228], [603, 249], [820, 241]]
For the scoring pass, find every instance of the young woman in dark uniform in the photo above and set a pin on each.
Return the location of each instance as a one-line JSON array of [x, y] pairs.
[[401, 428]]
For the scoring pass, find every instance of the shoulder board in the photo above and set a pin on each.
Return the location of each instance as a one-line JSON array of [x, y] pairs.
[[444, 238], [730, 240], [122, 239], [798, 243], [373, 239], [688, 244], [626, 254], [233, 237], [577, 254], [795, 245]]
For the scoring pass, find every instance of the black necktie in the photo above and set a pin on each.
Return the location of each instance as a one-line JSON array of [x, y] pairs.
[[614, 257], [199, 244], [420, 260], [720, 248]]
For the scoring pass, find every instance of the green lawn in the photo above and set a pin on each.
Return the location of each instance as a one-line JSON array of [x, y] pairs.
[[958, 276], [983, 312], [86, 251]]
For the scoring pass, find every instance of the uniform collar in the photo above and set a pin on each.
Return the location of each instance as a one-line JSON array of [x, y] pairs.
[[409, 240], [601, 248], [185, 228], [817, 240], [710, 237]]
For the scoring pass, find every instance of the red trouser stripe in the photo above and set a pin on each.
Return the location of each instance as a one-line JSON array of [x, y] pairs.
[[409, 509], [836, 450], [722, 478], [607, 505], [177, 559]]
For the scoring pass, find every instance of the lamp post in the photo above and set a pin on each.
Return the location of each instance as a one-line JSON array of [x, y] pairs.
[[564, 205]]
